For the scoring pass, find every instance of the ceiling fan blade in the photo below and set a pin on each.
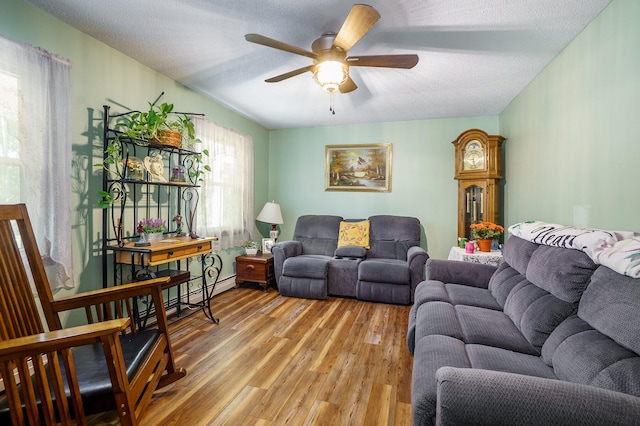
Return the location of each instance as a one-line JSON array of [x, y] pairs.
[[348, 86], [360, 20], [384, 61], [269, 42], [289, 74]]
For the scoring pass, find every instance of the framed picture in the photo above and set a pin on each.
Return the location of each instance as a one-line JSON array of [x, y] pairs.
[[267, 243], [358, 167]]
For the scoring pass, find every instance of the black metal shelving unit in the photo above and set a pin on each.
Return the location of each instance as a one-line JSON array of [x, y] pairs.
[[136, 199]]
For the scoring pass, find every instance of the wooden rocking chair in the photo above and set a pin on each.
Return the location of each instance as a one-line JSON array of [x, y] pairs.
[[58, 375]]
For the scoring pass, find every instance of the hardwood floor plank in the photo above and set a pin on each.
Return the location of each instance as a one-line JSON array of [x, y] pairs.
[[326, 359], [236, 413], [379, 405], [276, 360], [403, 415], [322, 413]]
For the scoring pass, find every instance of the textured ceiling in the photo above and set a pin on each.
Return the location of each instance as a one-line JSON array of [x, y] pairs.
[[475, 55]]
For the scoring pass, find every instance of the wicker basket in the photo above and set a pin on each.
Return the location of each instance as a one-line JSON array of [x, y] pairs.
[[169, 138]]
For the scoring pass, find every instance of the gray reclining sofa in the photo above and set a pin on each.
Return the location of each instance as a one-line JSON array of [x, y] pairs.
[[548, 337], [313, 266]]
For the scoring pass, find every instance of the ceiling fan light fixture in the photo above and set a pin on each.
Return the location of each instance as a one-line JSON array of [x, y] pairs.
[[330, 75]]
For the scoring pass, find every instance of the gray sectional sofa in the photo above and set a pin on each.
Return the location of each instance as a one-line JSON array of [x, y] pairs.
[[547, 337], [313, 266]]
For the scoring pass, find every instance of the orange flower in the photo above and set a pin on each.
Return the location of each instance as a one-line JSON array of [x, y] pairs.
[[486, 231]]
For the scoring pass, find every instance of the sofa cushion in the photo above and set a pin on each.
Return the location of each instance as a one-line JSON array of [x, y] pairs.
[[591, 358], [498, 359], [555, 280], [611, 305], [354, 234], [391, 236], [564, 273], [471, 296], [568, 327], [535, 312], [437, 318], [492, 328], [318, 234], [431, 353], [307, 266], [599, 346], [503, 281], [390, 271], [517, 253]]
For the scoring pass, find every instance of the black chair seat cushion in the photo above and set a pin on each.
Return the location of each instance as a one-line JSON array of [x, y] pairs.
[[93, 375]]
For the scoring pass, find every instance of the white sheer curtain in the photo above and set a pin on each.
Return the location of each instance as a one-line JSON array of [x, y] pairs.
[[226, 197], [35, 127]]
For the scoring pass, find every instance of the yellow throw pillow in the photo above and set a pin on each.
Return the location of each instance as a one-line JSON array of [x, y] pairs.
[[354, 234]]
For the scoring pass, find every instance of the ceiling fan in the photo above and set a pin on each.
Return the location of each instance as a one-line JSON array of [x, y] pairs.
[[329, 52]]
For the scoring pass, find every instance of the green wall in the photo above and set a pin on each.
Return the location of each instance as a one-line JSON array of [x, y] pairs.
[[422, 174], [573, 149], [101, 75]]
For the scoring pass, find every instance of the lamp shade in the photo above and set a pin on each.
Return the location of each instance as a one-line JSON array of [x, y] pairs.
[[330, 75], [271, 214]]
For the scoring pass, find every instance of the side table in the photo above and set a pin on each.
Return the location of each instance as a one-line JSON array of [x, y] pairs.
[[258, 269], [493, 257]]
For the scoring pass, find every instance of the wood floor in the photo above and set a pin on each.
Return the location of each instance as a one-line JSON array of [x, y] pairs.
[[275, 360]]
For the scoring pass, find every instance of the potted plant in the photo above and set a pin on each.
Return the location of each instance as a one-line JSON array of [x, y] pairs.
[[153, 228], [250, 248], [159, 124], [484, 233]]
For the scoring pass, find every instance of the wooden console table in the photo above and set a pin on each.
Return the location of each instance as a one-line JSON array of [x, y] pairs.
[[172, 249]]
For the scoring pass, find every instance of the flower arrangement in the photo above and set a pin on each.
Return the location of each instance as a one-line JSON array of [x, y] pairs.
[[151, 226], [486, 231]]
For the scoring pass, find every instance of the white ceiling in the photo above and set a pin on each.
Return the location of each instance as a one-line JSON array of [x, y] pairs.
[[475, 55]]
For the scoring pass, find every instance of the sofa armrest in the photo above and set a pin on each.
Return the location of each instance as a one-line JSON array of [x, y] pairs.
[[281, 251], [416, 259], [483, 397], [455, 271]]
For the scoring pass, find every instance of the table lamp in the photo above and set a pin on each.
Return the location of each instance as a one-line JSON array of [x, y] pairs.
[[271, 214]]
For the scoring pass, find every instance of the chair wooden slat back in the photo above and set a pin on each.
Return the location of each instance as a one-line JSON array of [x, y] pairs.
[[26, 381], [18, 311]]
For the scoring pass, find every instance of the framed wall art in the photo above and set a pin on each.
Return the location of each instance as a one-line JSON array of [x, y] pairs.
[[358, 167]]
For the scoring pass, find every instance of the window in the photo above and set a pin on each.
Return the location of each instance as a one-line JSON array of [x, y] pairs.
[[225, 208], [9, 144], [35, 148]]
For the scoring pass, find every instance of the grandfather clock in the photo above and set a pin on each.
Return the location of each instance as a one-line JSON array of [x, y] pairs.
[[478, 159]]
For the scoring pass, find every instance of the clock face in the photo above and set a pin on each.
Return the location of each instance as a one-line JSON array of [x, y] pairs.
[[473, 156]]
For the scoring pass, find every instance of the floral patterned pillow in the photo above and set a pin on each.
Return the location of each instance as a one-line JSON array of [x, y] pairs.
[[354, 234]]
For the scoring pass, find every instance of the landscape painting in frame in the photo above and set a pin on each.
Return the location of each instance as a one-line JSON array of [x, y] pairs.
[[358, 167]]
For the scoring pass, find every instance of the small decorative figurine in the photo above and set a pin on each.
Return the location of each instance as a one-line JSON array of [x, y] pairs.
[[155, 167], [143, 241], [178, 220]]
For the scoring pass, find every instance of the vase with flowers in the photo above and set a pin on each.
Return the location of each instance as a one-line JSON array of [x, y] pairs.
[[153, 228], [485, 233]]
